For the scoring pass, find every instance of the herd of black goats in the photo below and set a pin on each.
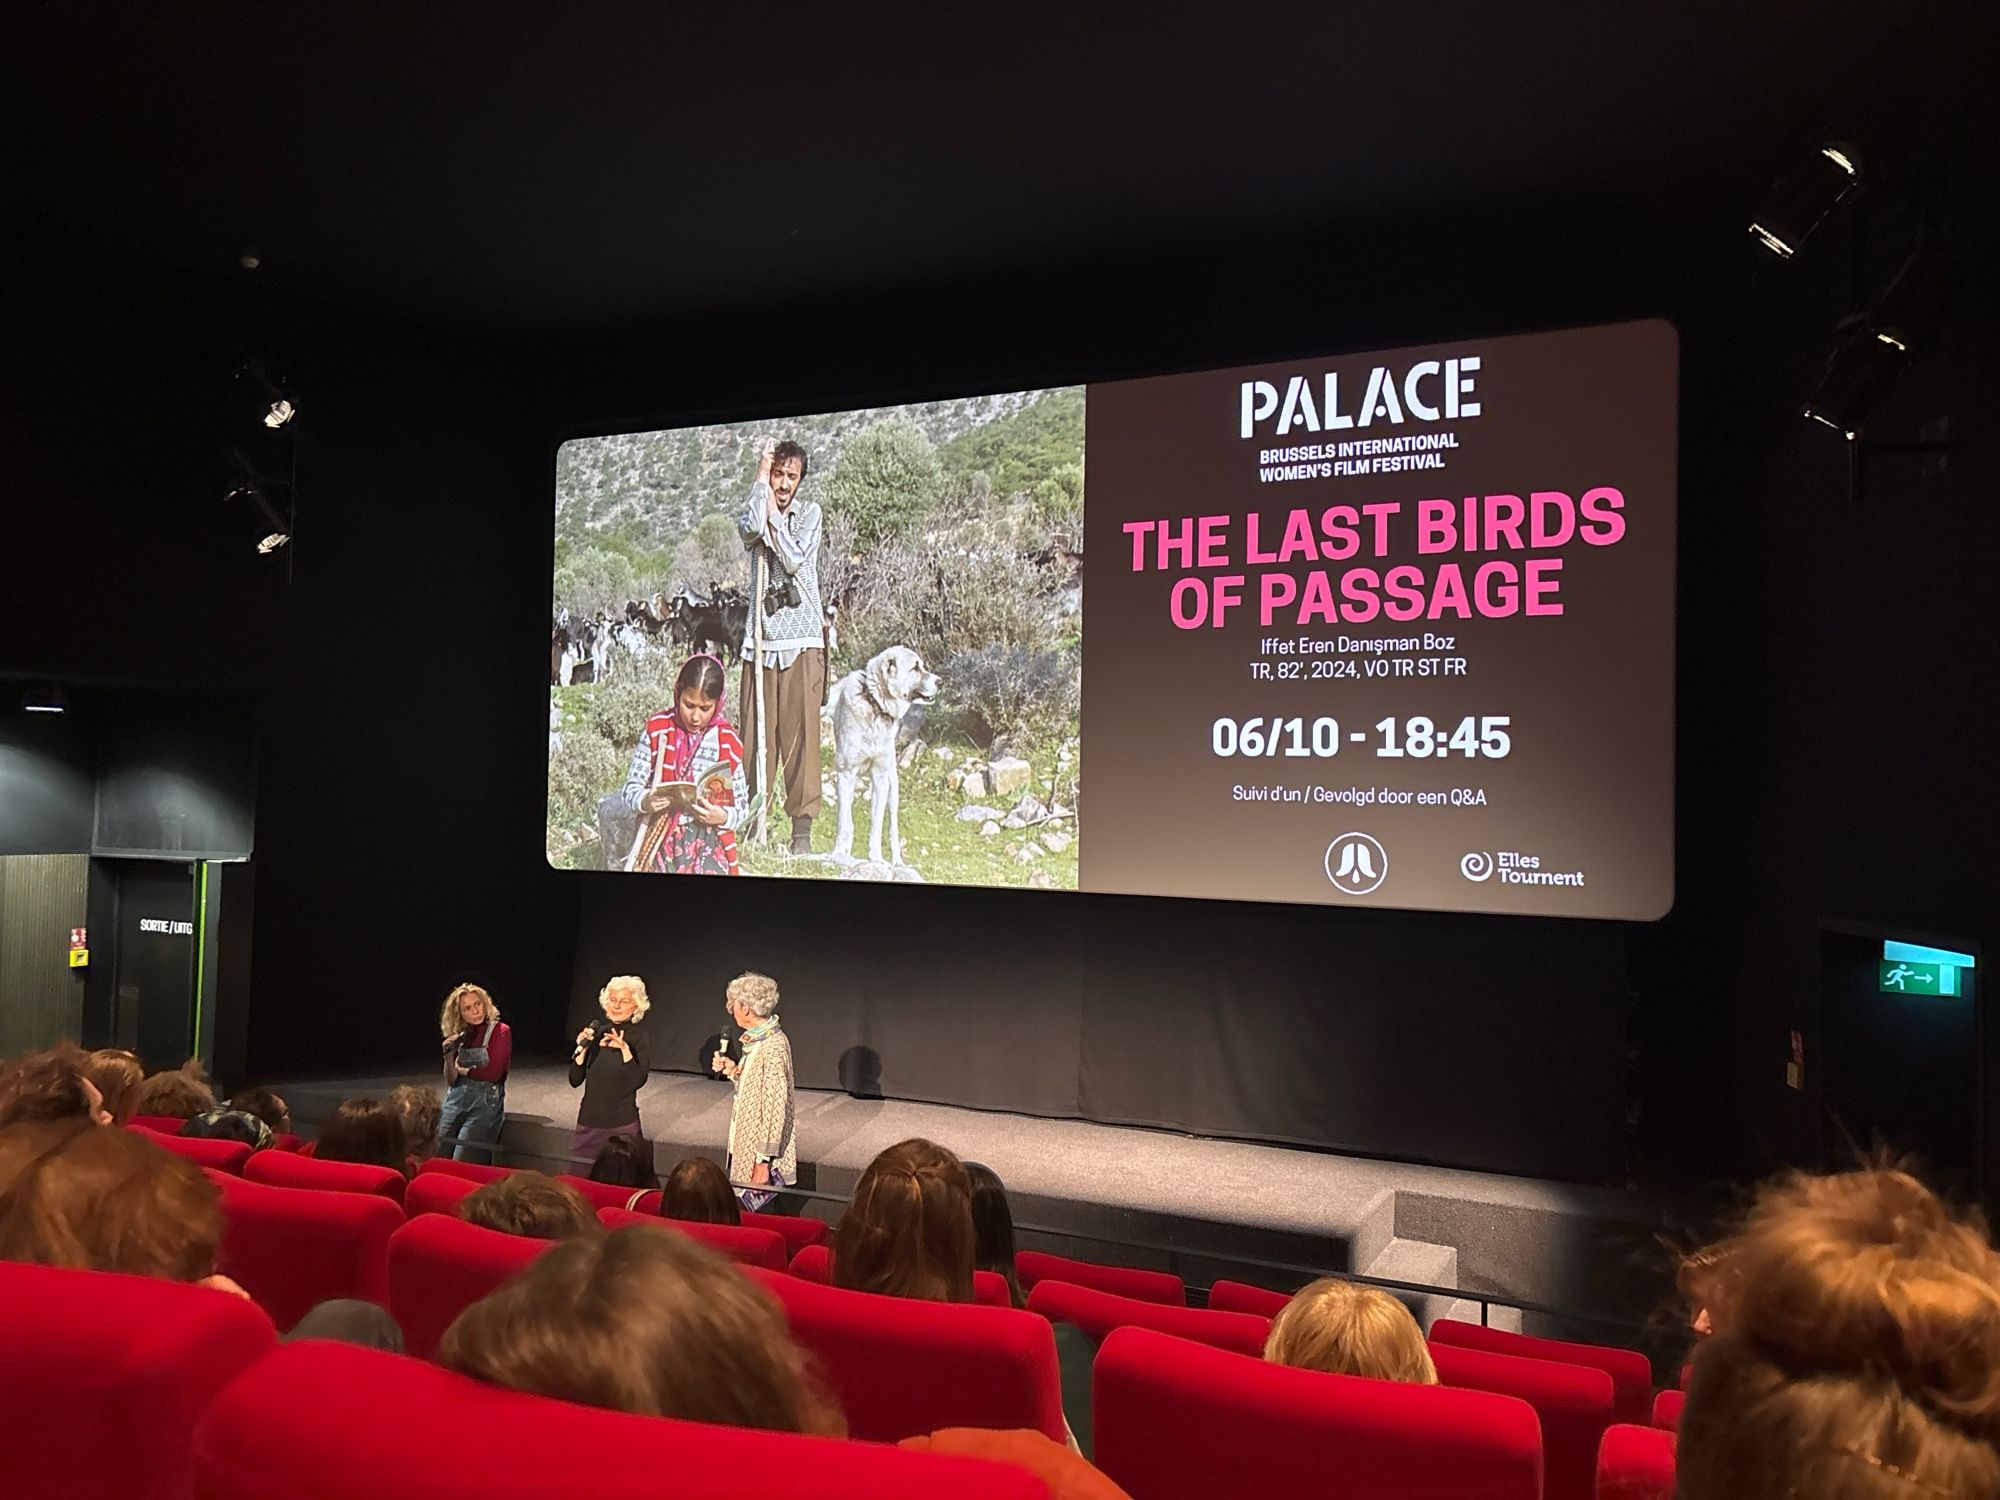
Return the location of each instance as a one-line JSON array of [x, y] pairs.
[[582, 647]]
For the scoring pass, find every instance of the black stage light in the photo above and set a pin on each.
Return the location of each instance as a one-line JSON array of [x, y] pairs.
[[1862, 370], [1801, 199], [270, 526], [272, 404], [1876, 346]]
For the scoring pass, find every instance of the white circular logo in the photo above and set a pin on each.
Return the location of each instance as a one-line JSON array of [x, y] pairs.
[[1356, 864], [1476, 866]]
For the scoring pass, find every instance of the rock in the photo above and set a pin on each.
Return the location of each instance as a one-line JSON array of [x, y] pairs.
[[910, 752], [988, 828], [977, 814], [1055, 842], [945, 753], [1009, 775], [1042, 880], [1058, 811], [1027, 854], [874, 869], [1029, 809], [974, 785], [955, 779], [1010, 821]]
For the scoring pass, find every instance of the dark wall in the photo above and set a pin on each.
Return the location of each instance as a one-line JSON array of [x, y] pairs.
[[47, 780]]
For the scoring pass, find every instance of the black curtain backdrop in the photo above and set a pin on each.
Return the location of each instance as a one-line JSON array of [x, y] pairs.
[[1484, 1042]]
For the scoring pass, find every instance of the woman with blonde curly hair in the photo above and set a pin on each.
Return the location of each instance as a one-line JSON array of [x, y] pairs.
[[1854, 1351], [610, 1065], [478, 1046]]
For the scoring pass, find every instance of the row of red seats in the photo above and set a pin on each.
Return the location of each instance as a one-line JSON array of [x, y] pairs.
[[102, 1364]]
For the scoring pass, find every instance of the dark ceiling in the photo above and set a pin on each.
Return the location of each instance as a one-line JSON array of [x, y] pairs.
[[529, 169]]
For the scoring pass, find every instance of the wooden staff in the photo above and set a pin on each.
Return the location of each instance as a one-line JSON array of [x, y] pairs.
[[757, 673], [646, 837]]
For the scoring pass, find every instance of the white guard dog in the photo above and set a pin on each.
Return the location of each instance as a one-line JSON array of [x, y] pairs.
[[867, 706]]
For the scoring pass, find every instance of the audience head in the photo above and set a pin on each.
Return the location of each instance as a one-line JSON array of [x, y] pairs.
[[228, 1125], [993, 1227], [645, 1322], [53, 1084], [117, 1074], [1346, 1329], [625, 1161], [267, 1105], [366, 1131], [1696, 1279], [531, 1204], [698, 1191], [908, 1232], [346, 1320], [104, 1200], [1855, 1352], [420, 1110], [466, 1006], [179, 1094]]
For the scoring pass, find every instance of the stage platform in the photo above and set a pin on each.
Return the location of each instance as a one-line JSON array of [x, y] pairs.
[[1203, 1208]]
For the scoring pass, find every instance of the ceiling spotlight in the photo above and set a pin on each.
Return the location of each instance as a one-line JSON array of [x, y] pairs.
[[1802, 199], [271, 527], [1875, 347], [273, 406], [44, 700]]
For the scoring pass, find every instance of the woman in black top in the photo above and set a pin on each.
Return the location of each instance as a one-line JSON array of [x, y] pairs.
[[610, 1066]]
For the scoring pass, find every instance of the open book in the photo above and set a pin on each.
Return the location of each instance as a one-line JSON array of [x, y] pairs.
[[714, 788]]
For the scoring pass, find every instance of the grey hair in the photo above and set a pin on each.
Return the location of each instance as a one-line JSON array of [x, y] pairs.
[[640, 1003], [756, 993]]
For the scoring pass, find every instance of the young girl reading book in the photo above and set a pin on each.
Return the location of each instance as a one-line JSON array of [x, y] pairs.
[[686, 781]]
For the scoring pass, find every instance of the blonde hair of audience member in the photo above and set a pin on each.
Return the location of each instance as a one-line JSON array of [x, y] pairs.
[[106, 1200], [117, 1075], [451, 1023], [530, 1204], [1855, 1352], [52, 1084], [646, 1322], [420, 1110], [908, 1231], [1343, 1328], [179, 1094], [698, 1191]]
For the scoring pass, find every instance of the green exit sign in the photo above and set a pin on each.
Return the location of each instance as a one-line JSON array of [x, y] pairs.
[[1902, 977]]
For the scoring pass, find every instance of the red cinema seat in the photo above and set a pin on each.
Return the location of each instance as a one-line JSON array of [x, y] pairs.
[[1667, 1409], [437, 1193], [292, 1169], [104, 1376], [900, 1367], [440, 1265], [221, 1156], [1635, 1463], [285, 1141], [322, 1421], [1180, 1421], [472, 1171], [291, 1248], [1630, 1371], [1032, 1266], [796, 1232], [158, 1124], [1098, 1313], [604, 1194], [749, 1247], [1237, 1296], [1574, 1403], [815, 1263]]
